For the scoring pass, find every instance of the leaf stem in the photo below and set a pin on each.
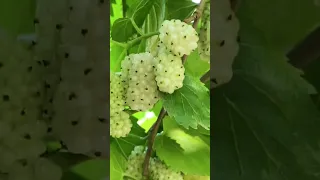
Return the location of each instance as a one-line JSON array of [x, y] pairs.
[[135, 41], [154, 130], [136, 27], [124, 45]]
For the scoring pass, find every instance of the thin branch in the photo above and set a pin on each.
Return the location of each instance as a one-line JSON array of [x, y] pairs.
[[152, 136], [197, 14], [154, 130]]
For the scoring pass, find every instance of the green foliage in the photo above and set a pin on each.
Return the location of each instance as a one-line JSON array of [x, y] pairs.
[[180, 147], [190, 105], [283, 23], [117, 163], [180, 9], [182, 150], [265, 124]]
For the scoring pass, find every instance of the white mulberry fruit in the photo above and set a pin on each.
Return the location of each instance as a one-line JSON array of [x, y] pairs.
[[142, 92], [179, 37], [120, 125], [116, 94], [159, 171], [204, 35], [169, 72], [225, 45]]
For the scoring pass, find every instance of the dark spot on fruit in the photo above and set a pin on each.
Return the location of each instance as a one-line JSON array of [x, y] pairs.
[[49, 129], [58, 26], [102, 120], [87, 71], [136, 71], [37, 94], [60, 79], [98, 154], [23, 112], [33, 43], [5, 98], [36, 21], [238, 39], [165, 71], [46, 63], [137, 84], [1, 64], [45, 111], [29, 69], [74, 123], [84, 31], [222, 43], [147, 89], [50, 100], [39, 62], [70, 8], [141, 99], [27, 136], [72, 95], [214, 80], [46, 85], [66, 55], [23, 162], [229, 18]]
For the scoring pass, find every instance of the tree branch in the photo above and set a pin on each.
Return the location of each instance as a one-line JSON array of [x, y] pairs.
[[197, 14], [154, 130]]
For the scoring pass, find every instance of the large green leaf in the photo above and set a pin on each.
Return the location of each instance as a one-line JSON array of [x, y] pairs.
[[265, 124], [117, 163], [180, 9], [122, 29], [284, 23], [190, 104], [195, 66], [182, 151]]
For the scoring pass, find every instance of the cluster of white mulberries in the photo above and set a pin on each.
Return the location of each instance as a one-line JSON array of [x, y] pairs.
[[176, 39], [158, 170], [135, 163], [120, 124], [204, 35], [225, 44]]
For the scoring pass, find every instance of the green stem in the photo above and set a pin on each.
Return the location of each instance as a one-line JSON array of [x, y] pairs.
[[124, 45], [136, 27], [135, 41]]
